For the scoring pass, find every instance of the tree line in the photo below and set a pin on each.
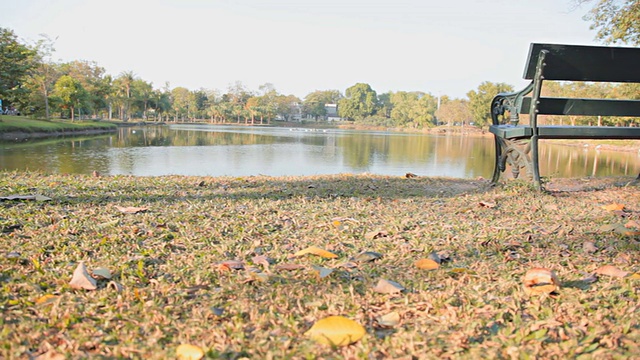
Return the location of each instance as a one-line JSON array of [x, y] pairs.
[[31, 82]]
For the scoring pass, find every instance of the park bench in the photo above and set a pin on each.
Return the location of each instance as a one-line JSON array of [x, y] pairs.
[[517, 145]]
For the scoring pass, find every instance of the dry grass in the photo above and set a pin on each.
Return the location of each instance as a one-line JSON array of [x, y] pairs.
[[175, 290]]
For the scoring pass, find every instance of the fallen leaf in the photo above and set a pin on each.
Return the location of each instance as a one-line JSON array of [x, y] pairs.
[[632, 224], [322, 272], [316, 251], [289, 267], [589, 247], [487, 204], [26, 197], [540, 281], [261, 260], [81, 278], [410, 175], [391, 319], [634, 276], [101, 272], [375, 234], [336, 331], [115, 286], [46, 299], [427, 264], [388, 287], [613, 207], [189, 352], [131, 209], [367, 256], [610, 270], [456, 271], [230, 265]]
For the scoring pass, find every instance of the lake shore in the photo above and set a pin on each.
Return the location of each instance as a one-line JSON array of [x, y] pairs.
[[245, 266]]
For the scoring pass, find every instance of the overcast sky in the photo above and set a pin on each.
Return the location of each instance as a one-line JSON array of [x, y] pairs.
[[440, 47]]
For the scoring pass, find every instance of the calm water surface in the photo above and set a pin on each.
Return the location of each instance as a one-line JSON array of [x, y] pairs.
[[240, 151]]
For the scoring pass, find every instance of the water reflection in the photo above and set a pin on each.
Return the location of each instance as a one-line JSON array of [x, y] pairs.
[[240, 151]]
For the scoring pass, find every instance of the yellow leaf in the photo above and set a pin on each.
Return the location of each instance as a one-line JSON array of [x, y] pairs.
[[316, 251], [336, 331], [610, 270], [189, 352], [46, 299], [427, 264], [613, 207], [462, 271], [634, 276]]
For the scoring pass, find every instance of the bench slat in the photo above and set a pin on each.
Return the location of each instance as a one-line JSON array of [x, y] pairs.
[[585, 63], [583, 107], [567, 132]]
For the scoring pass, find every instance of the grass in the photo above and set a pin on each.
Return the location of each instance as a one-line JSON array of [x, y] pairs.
[[10, 123], [168, 259]]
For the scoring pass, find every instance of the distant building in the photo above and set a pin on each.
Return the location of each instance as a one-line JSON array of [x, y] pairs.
[[332, 112]]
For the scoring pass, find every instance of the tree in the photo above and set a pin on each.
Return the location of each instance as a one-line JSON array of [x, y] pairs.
[[184, 103], [142, 93], [454, 111], [314, 103], [360, 101], [91, 77], [617, 21], [122, 91], [480, 101], [414, 109], [15, 65], [70, 93]]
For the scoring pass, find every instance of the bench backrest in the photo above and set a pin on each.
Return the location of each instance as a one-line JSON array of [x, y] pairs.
[[586, 63]]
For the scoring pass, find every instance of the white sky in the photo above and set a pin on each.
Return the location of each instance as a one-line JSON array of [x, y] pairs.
[[441, 47]]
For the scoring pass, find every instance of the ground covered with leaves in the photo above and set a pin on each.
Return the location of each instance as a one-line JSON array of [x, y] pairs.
[[266, 268]]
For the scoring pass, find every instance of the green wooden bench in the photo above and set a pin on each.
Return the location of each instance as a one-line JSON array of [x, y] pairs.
[[517, 145]]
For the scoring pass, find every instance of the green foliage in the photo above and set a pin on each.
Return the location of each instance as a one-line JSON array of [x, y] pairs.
[[70, 93], [15, 64], [314, 103], [480, 101], [413, 109], [617, 21], [360, 101]]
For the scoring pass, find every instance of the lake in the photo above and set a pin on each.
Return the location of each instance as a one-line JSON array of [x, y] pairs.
[[217, 150]]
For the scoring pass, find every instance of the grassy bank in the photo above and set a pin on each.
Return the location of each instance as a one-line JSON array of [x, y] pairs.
[[212, 262], [19, 126]]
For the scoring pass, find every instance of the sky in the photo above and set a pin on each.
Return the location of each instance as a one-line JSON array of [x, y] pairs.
[[444, 47]]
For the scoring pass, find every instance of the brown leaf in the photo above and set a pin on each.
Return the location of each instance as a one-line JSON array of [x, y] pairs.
[[230, 265], [390, 320], [289, 267], [610, 270], [487, 204], [410, 175], [131, 209], [81, 278], [540, 281], [375, 234], [388, 287], [589, 247], [261, 260]]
